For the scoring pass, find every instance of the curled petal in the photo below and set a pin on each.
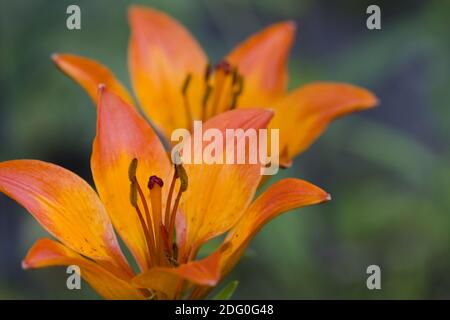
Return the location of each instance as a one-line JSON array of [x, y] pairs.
[[204, 272], [66, 206], [304, 114], [48, 253], [89, 74], [282, 196]]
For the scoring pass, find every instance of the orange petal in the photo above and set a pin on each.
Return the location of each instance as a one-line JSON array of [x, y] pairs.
[[262, 59], [66, 206], [90, 74], [204, 272], [122, 134], [304, 114], [48, 253], [161, 54], [218, 194], [280, 197]]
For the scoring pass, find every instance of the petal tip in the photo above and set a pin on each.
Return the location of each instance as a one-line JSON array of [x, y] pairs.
[[271, 111], [133, 10], [58, 60], [286, 28], [25, 265], [268, 113], [291, 25], [374, 100], [101, 91], [212, 282], [140, 11], [55, 57], [369, 99], [101, 87], [285, 163]]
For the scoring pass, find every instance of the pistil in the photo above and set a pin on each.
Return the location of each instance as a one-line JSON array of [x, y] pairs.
[[155, 185], [159, 235], [135, 189]]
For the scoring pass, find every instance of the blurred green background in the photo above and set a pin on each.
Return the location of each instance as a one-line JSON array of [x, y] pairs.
[[388, 169]]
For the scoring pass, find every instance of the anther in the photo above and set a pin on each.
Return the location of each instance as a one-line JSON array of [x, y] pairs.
[[155, 180], [133, 194], [132, 170], [132, 177], [239, 84], [225, 66], [181, 173], [207, 72], [234, 75], [186, 83]]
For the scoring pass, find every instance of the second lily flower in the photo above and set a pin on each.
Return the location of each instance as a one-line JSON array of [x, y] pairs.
[[175, 84]]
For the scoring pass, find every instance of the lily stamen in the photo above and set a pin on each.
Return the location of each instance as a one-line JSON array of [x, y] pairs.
[[219, 95], [207, 94], [169, 201], [223, 69], [182, 175], [136, 190], [238, 87], [187, 105]]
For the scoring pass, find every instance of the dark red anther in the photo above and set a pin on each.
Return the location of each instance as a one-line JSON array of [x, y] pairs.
[[225, 66], [153, 180]]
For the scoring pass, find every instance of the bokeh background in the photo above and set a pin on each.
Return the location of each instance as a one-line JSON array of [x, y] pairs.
[[388, 169]]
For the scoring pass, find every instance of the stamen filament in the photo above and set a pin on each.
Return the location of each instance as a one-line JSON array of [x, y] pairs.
[[222, 71], [148, 238], [169, 201], [206, 95], [173, 215], [149, 225], [238, 87]]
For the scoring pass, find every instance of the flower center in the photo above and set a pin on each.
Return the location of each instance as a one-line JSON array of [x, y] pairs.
[[159, 233], [222, 88]]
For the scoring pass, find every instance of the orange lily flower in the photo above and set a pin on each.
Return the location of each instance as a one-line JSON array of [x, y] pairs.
[[175, 84], [163, 222]]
